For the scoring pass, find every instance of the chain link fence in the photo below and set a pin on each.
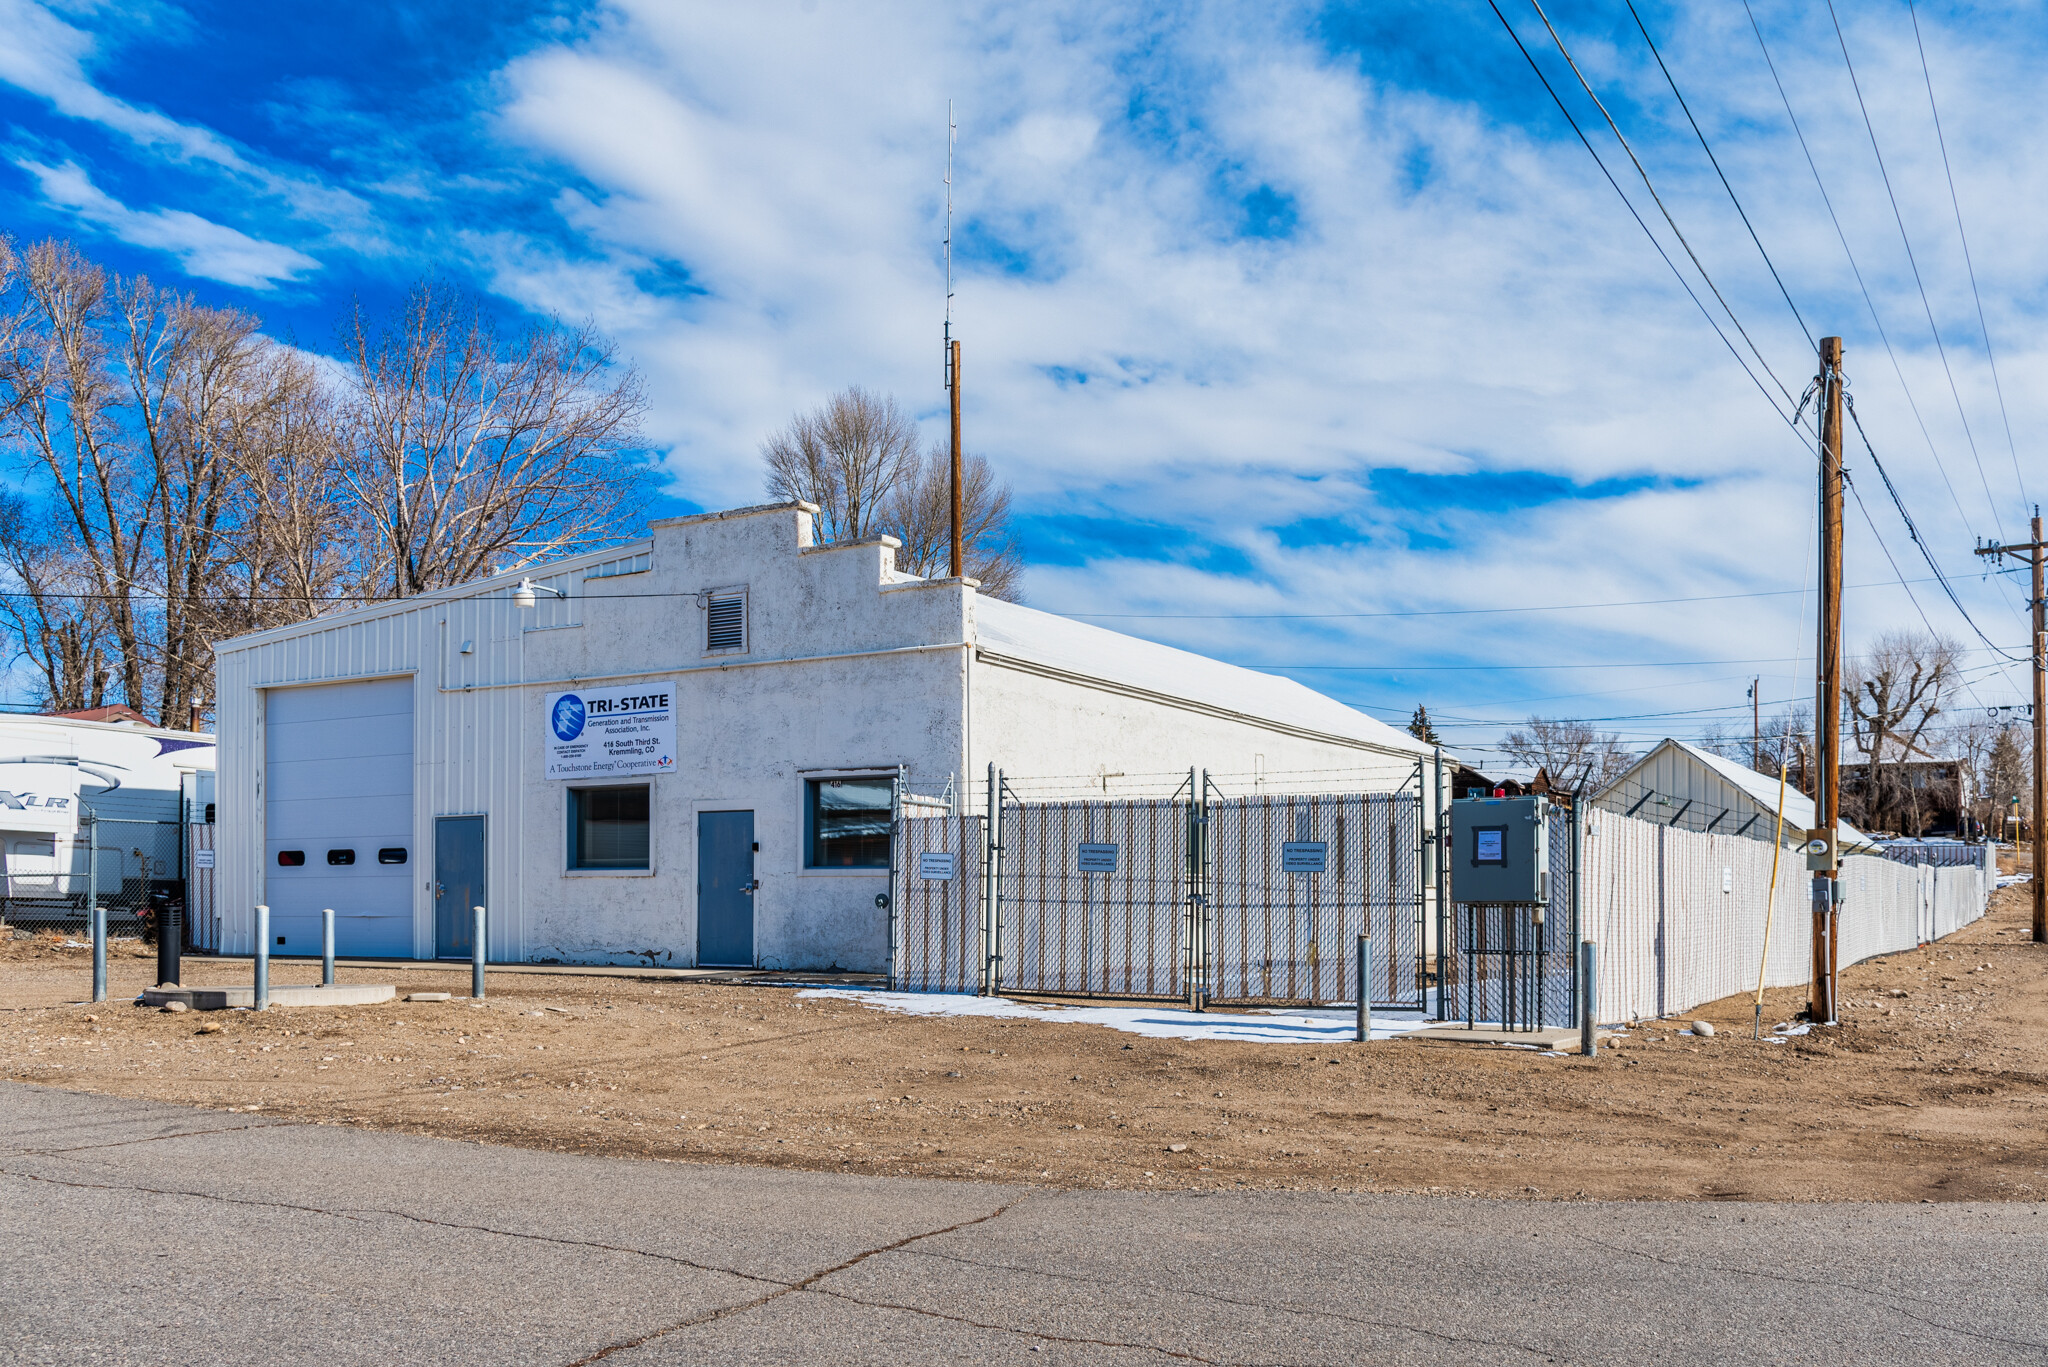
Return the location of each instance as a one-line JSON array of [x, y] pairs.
[[135, 869]]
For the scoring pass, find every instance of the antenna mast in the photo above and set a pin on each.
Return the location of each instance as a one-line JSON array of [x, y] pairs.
[[952, 137], [955, 559]]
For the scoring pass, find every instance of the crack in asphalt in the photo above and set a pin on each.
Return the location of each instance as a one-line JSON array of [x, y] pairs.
[[264, 1124], [1177, 1354], [788, 1288], [361, 1213], [1233, 1301], [1782, 1276]]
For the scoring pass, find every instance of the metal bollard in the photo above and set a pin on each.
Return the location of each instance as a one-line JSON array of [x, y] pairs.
[[1589, 994], [99, 954], [327, 946], [262, 958], [476, 956], [1364, 992]]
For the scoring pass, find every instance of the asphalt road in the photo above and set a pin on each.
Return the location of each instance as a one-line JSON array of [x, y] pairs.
[[135, 1232]]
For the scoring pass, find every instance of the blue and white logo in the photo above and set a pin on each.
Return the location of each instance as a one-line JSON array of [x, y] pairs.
[[569, 717]]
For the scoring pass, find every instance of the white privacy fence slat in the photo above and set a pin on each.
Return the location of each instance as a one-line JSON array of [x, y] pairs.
[[1680, 915]]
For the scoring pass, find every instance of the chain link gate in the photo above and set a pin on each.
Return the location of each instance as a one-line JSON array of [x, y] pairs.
[[1501, 966], [935, 906], [1293, 881], [1094, 897]]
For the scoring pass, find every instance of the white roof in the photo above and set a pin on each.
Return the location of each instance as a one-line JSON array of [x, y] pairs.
[[1798, 814], [1044, 638]]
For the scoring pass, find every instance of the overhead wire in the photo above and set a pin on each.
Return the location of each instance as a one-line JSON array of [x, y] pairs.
[[1941, 139], [1857, 270], [1913, 261], [1615, 128], [1685, 284], [1733, 198], [1913, 530]]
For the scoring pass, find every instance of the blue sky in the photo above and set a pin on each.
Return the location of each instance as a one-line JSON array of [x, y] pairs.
[[1309, 336]]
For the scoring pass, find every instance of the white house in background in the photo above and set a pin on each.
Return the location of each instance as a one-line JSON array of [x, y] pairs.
[[683, 752], [53, 768], [1681, 785]]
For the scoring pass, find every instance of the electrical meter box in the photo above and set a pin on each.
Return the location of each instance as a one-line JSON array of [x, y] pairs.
[[1500, 849]]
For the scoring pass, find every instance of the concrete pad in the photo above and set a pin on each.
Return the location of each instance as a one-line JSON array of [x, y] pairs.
[[1563, 1040], [222, 998]]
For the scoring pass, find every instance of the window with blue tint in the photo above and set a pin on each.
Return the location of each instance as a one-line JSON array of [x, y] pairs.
[[608, 828], [846, 823]]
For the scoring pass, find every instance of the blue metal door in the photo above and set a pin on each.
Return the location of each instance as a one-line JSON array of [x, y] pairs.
[[725, 889], [458, 883]]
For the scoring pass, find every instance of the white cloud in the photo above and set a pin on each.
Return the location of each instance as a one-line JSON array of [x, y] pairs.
[[212, 251], [1495, 311]]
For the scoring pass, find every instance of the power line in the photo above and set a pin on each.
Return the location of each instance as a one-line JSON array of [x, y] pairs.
[[1843, 237], [1733, 198], [1448, 612], [1685, 284], [1615, 128], [1914, 262], [1983, 326], [1914, 531]]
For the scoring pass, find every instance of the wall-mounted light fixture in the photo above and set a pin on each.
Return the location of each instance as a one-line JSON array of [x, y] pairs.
[[523, 595]]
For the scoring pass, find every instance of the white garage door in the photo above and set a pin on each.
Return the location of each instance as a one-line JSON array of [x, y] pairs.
[[338, 816]]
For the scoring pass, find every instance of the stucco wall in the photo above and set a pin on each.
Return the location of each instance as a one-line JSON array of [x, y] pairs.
[[849, 668]]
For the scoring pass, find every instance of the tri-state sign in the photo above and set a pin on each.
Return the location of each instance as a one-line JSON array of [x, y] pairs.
[[611, 732]]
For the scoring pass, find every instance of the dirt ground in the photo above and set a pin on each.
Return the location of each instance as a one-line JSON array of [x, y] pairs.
[[1931, 1089]]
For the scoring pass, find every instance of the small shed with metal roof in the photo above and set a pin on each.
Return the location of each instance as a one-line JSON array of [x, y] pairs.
[[1684, 786]]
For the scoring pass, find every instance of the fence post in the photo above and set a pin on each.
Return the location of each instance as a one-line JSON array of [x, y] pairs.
[[1364, 993], [327, 946], [988, 889], [90, 825], [1589, 997], [99, 953], [476, 955], [262, 957]]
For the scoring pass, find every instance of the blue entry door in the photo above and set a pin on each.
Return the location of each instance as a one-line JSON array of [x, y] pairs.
[[458, 883], [725, 889]]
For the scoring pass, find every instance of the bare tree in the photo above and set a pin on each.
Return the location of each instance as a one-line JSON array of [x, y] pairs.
[[857, 458], [848, 457], [1578, 758], [61, 392], [1891, 695], [183, 477], [59, 623], [469, 453], [2009, 776], [920, 512]]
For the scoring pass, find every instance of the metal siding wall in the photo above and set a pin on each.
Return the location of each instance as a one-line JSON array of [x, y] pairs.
[[1670, 938], [467, 749]]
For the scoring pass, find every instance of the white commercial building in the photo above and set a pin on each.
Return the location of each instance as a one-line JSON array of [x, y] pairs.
[[684, 751]]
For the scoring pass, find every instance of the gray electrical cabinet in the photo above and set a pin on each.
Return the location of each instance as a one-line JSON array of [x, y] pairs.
[[1500, 849]]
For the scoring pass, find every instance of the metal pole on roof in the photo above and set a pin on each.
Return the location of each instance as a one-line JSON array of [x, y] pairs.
[[954, 561], [1824, 852]]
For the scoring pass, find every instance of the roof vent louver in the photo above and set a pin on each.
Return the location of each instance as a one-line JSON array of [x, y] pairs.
[[725, 622]]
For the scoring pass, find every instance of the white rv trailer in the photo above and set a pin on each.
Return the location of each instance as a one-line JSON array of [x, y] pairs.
[[135, 786]]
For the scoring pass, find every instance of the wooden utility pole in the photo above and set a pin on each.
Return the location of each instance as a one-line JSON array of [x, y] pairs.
[[1823, 849], [955, 562], [2039, 622]]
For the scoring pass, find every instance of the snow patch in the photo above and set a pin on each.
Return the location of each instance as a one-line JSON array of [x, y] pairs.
[[1266, 1026]]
